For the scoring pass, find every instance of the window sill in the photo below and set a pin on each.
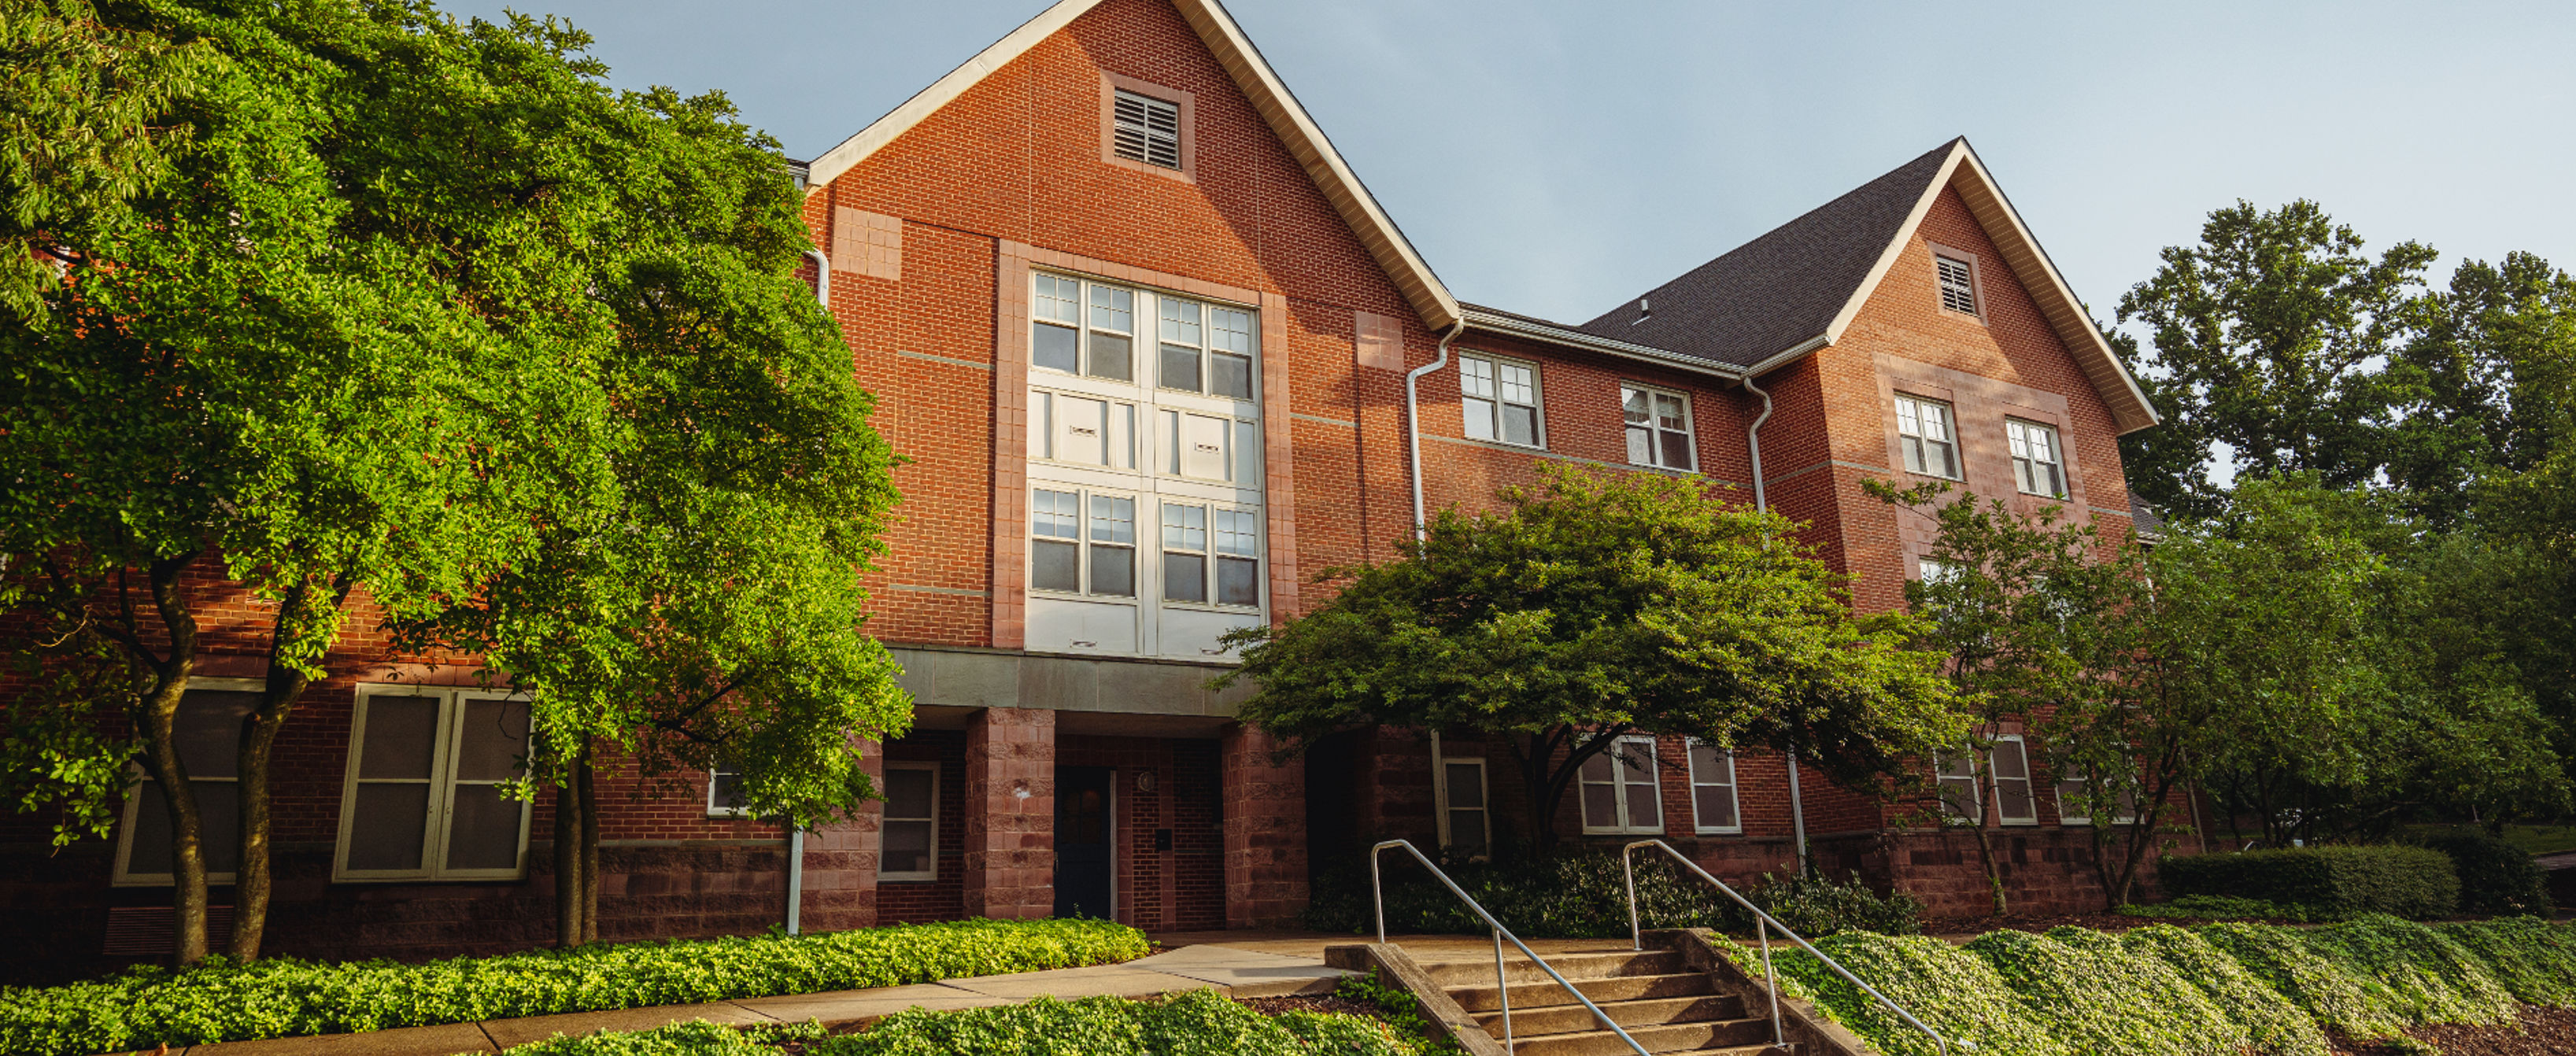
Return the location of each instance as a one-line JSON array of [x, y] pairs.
[[907, 878], [1736, 831], [1507, 445], [1215, 607]]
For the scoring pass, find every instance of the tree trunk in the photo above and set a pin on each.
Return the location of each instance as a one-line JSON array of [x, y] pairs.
[[1985, 845], [589, 846], [157, 721], [568, 857], [1547, 784], [285, 685]]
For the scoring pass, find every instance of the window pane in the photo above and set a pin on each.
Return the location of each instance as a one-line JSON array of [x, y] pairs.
[[1708, 764], [1671, 412], [207, 731], [1519, 386], [1467, 831], [1230, 375], [1052, 513], [2013, 801], [1476, 378], [724, 790], [1184, 527], [1180, 368], [1466, 786], [386, 829], [1677, 451], [2010, 763], [1480, 417], [1633, 404], [1113, 519], [1936, 421], [1237, 532], [1716, 804], [1113, 309], [1645, 810], [907, 846], [1238, 581], [1233, 330], [908, 792], [1112, 357], [1113, 571], [1184, 577], [401, 734], [483, 832], [1913, 453], [218, 817], [1052, 566], [1641, 446], [1906, 422], [1052, 347], [1597, 768], [1520, 424], [1057, 299], [1600, 809], [1180, 320], [493, 740]]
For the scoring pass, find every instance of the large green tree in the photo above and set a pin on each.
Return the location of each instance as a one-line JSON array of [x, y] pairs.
[[1591, 606], [2489, 383], [354, 301], [2270, 337]]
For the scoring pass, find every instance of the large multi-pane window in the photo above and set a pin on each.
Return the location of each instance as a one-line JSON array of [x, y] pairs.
[[1145, 515], [1620, 792], [1499, 398], [911, 824], [1713, 800], [2038, 465], [1659, 427], [206, 733], [424, 795], [1927, 433]]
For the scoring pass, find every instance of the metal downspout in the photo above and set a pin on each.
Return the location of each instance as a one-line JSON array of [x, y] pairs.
[[1762, 502], [1413, 418], [795, 835]]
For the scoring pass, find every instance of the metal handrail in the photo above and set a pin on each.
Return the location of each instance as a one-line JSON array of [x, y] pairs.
[[1762, 923], [1502, 983]]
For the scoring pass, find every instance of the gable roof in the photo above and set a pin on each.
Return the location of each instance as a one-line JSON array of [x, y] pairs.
[[1799, 285], [1251, 75]]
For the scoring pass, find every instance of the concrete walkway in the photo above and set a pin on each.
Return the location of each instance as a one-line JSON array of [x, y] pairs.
[[1271, 965]]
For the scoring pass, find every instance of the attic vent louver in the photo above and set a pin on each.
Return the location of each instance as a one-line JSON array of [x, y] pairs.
[[1958, 285], [1148, 130]]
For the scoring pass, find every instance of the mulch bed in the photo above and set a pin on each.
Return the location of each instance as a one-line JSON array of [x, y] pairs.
[[2541, 1032]]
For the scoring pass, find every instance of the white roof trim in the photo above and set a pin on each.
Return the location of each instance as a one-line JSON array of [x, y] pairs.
[[1252, 76], [2130, 410]]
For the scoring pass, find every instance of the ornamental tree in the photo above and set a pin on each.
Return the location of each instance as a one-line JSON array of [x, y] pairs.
[[1592, 606], [357, 302]]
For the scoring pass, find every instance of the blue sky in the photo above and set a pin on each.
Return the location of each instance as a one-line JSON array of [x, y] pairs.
[[1558, 158]]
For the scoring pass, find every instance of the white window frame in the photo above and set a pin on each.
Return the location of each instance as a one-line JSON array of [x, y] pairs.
[[1492, 391], [1619, 784], [1654, 428], [715, 809], [1995, 776], [1211, 556], [932, 820], [1448, 796], [1918, 444], [123, 875], [1943, 781], [2070, 790], [1206, 342], [1141, 130], [2024, 439], [1964, 288], [1734, 791], [1086, 541], [442, 790]]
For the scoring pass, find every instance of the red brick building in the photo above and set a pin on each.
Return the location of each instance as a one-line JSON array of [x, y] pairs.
[[1148, 344]]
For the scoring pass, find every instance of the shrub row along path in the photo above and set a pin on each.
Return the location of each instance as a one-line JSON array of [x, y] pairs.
[[1242, 964]]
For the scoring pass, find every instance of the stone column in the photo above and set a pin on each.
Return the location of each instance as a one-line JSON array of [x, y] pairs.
[[841, 859], [1265, 832], [1010, 813]]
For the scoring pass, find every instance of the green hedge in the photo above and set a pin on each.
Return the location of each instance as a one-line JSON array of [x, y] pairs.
[[1197, 1023], [2495, 876], [1585, 896], [2215, 990], [2401, 881], [282, 997]]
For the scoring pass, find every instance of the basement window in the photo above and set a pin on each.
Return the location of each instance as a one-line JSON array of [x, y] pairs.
[[1146, 129]]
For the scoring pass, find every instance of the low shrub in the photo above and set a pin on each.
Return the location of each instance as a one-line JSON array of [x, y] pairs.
[[2271, 1023], [1585, 896], [2495, 876], [2414, 882], [2226, 907], [283, 997]]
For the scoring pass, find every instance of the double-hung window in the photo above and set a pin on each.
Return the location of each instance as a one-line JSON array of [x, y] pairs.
[[426, 772], [1956, 774], [1211, 553], [2072, 808], [1103, 345], [911, 822], [1620, 793], [1925, 429], [1205, 348], [2038, 464], [207, 732], [1467, 829], [1958, 280], [1500, 400], [2014, 803], [1659, 427], [1065, 525], [724, 791], [1146, 129], [1714, 809]]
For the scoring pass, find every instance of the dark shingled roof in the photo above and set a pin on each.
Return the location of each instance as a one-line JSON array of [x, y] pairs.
[[1768, 295], [2149, 523]]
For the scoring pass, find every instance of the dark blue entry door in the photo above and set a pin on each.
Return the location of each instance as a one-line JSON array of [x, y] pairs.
[[1082, 842]]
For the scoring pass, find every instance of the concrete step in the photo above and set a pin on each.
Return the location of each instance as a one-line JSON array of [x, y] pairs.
[[1578, 966], [1728, 1035], [1567, 1019], [1602, 991]]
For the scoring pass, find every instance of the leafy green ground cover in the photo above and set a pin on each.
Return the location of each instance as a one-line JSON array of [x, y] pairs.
[[1197, 1023], [281, 997], [2214, 990]]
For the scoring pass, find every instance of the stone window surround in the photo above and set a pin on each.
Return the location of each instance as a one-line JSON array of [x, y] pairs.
[[1978, 407], [1110, 85], [1976, 279], [1009, 606]]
